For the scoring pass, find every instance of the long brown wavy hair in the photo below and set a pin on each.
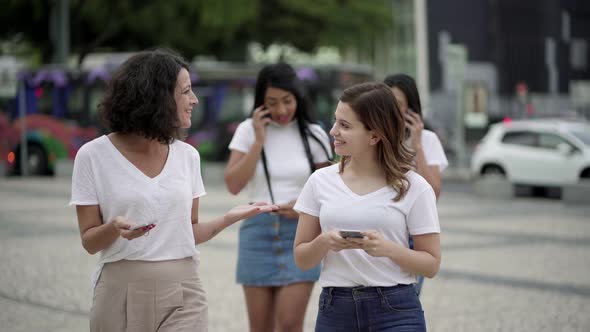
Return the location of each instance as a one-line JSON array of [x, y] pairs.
[[374, 105]]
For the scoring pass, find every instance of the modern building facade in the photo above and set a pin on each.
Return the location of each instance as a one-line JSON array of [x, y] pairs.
[[541, 43]]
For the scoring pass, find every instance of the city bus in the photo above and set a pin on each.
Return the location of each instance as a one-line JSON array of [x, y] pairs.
[[61, 109]]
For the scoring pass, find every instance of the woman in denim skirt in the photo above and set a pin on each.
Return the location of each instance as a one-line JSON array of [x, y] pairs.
[[272, 155], [356, 216]]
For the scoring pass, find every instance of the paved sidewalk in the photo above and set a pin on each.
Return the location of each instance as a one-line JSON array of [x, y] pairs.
[[519, 265]]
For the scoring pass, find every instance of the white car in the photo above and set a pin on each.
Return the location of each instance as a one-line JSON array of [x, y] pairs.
[[547, 152]]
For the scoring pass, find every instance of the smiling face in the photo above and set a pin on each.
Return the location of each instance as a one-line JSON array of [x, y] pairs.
[[185, 98], [351, 137], [282, 105]]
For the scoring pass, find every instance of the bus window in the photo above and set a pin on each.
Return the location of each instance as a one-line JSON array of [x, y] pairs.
[[237, 104], [44, 96], [76, 108]]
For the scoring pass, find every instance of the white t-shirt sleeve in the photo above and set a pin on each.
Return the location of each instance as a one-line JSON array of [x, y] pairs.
[[244, 137], [197, 185], [83, 186], [433, 151], [308, 202], [423, 216]]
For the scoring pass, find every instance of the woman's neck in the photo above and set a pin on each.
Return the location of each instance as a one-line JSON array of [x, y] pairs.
[[136, 143], [365, 166]]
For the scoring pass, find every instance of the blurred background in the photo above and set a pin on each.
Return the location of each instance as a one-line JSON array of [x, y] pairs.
[[476, 62], [504, 84]]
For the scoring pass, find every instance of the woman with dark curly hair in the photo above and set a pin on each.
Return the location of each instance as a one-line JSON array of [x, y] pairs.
[[272, 155], [136, 192], [356, 217]]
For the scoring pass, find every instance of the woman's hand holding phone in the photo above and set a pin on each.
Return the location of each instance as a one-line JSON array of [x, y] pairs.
[[415, 125], [260, 119], [336, 242], [128, 231]]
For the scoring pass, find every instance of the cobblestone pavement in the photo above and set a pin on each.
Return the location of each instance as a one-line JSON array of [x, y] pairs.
[[512, 265]]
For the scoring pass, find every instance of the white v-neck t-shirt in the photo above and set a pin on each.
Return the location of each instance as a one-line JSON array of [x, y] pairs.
[[103, 176], [325, 195]]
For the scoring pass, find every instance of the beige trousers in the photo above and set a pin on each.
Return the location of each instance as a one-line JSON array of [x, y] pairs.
[[149, 296]]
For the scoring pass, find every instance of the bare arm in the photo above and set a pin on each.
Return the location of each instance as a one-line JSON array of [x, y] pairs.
[[97, 236], [311, 245], [430, 173], [424, 259], [241, 167], [204, 232]]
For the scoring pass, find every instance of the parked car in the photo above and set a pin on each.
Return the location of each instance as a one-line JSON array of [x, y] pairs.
[[547, 152]]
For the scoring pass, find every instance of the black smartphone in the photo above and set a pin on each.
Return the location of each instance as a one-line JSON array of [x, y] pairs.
[[348, 234]]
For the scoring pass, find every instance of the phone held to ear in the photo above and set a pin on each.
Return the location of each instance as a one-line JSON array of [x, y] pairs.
[[350, 234]]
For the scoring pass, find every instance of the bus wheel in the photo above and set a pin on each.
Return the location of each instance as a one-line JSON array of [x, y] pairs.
[[36, 160]]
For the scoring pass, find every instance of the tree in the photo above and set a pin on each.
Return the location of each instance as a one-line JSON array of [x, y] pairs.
[[221, 28]]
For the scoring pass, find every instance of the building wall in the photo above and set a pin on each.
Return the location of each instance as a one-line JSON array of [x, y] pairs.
[[512, 35]]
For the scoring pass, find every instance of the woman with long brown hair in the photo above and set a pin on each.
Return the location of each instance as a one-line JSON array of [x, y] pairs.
[[356, 217]]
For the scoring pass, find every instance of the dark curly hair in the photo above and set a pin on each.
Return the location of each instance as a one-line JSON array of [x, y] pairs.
[[139, 99]]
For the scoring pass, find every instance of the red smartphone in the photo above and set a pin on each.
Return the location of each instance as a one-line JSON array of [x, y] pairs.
[[142, 225]]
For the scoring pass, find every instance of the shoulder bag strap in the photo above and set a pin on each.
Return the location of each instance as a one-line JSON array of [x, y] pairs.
[[266, 174]]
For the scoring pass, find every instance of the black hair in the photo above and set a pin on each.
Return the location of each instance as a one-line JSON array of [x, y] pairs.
[[283, 76], [407, 85], [139, 98]]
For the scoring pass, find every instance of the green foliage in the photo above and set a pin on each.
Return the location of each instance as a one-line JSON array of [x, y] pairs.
[[221, 28]]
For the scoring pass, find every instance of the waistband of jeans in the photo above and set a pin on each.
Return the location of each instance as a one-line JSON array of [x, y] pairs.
[[365, 291]]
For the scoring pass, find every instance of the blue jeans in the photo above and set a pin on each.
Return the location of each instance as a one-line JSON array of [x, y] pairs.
[[359, 309]]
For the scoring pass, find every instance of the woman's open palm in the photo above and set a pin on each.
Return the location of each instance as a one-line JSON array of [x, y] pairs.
[[247, 211]]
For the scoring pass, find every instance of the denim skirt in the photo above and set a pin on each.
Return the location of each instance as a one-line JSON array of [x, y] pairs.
[[265, 253]]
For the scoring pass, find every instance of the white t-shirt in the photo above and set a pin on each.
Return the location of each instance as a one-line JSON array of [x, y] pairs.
[[326, 196], [287, 163], [433, 150], [103, 176]]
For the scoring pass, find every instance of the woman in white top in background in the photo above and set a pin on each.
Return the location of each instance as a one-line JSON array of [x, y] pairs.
[[272, 155], [430, 160], [367, 282], [143, 174]]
